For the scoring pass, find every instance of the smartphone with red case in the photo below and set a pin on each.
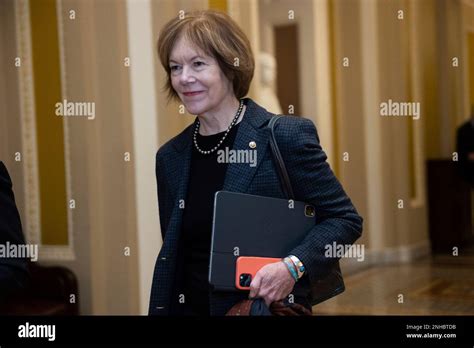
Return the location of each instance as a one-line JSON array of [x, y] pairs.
[[247, 267]]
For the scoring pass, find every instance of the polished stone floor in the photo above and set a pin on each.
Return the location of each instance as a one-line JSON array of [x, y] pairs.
[[437, 285]]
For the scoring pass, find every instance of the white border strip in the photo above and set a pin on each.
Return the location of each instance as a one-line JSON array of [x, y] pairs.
[[32, 216]]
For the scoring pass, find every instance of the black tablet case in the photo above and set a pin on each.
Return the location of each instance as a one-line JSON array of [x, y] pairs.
[[257, 226]]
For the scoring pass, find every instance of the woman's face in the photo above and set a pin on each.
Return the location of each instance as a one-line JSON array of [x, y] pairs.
[[198, 79]]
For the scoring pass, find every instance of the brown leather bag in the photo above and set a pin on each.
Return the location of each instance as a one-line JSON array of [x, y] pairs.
[[241, 308], [277, 308]]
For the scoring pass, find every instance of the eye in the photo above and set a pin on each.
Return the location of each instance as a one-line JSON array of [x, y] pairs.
[[198, 64], [174, 67]]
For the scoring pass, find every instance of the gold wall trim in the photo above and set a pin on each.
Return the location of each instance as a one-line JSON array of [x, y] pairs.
[[29, 83], [220, 5], [470, 53], [49, 127]]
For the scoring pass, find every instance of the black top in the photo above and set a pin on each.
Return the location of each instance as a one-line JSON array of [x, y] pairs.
[[206, 177]]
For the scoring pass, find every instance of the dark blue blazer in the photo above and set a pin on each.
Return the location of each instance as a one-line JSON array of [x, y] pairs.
[[13, 271], [311, 178]]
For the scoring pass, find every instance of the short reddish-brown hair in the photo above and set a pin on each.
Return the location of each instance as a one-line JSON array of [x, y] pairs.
[[218, 36]]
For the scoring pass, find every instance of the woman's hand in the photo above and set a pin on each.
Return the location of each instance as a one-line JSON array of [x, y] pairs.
[[272, 282]]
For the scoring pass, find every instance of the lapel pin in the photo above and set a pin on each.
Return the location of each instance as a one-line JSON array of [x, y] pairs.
[[253, 144]]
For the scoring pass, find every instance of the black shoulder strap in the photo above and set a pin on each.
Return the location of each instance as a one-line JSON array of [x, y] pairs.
[[332, 284], [280, 164]]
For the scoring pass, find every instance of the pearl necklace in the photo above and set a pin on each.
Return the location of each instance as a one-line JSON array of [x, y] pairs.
[[237, 115]]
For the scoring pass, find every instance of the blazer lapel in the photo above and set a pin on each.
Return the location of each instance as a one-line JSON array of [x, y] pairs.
[[239, 175]]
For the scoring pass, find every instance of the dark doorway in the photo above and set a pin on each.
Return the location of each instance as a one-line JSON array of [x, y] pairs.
[[286, 55]]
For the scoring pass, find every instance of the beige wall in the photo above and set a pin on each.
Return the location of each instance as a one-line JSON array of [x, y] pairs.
[[102, 181], [104, 218], [405, 60], [349, 136]]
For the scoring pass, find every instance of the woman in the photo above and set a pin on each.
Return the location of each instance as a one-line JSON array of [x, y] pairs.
[[210, 65]]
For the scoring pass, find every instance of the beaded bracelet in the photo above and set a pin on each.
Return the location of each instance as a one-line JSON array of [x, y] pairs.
[[289, 264], [298, 265]]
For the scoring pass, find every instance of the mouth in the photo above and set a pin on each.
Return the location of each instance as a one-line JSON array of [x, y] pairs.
[[190, 94]]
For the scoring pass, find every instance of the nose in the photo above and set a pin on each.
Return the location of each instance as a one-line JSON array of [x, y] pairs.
[[186, 76]]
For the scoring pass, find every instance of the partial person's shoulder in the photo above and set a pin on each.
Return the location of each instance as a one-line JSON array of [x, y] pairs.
[[171, 145], [5, 180], [466, 127], [4, 172]]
